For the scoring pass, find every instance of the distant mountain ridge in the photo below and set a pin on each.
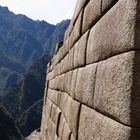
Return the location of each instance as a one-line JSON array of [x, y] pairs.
[[23, 41], [26, 47]]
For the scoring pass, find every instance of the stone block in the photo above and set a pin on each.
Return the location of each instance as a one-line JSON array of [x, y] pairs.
[[61, 53], [62, 66], [61, 124], [72, 137], [85, 84], [79, 6], [68, 63], [49, 106], [68, 81], [70, 110], [92, 13], [62, 82], [54, 113], [65, 64], [73, 83], [66, 132], [50, 75], [53, 95], [52, 84], [80, 51], [107, 4], [114, 33], [95, 126], [76, 32], [68, 31], [59, 98], [56, 70], [72, 115], [71, 60], [51, 128], [47, 136], [115, 84], [64, 102]]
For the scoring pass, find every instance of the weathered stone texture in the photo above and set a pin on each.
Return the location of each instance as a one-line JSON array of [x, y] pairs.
[[66, 132], [85, 84], [114, 33], [114, 87], [80, 52], [93, 81], [76, 32], [106, 4], [73, 83], [79, 5], [68, 82], [93, 9], [53, 96], [94, 126]]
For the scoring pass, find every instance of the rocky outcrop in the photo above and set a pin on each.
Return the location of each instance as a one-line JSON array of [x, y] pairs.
[[92, 89]]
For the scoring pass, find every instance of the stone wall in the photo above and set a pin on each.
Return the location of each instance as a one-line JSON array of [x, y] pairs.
[[93, 84]]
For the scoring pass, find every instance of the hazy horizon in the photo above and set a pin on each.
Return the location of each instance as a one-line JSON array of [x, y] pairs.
[[51, 11]]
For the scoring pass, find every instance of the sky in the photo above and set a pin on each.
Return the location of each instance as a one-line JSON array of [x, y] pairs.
[[52, 11]]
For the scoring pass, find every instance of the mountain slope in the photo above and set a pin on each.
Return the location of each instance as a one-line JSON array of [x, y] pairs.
[[23, 41], [23, 98], [8, 130]]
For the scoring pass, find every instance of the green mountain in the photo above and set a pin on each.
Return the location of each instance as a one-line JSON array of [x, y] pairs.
[[25, 96], [23, 41], [26, 47], [8, 129]]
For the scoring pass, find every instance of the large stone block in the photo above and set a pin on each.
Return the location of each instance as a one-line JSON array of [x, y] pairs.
[[62, 66], [48, 106], [51, 128], [54, 113], [76, 32], [70, 62], [70, 110], [47, 136], [95, 126], [115, 84], [64, 102], [73, 83], [50, 75], [80, 51], [68, 82], [60, 82], [65, 64], [114, 33], [59, 98], [61, 124], [85, 84], [66, 132], [72, 115], [52, 84], [92, 13], [79, 6]]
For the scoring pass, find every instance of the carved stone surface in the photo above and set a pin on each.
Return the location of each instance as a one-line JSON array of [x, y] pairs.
[[93, 82], [114, 33], [85, 84]]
